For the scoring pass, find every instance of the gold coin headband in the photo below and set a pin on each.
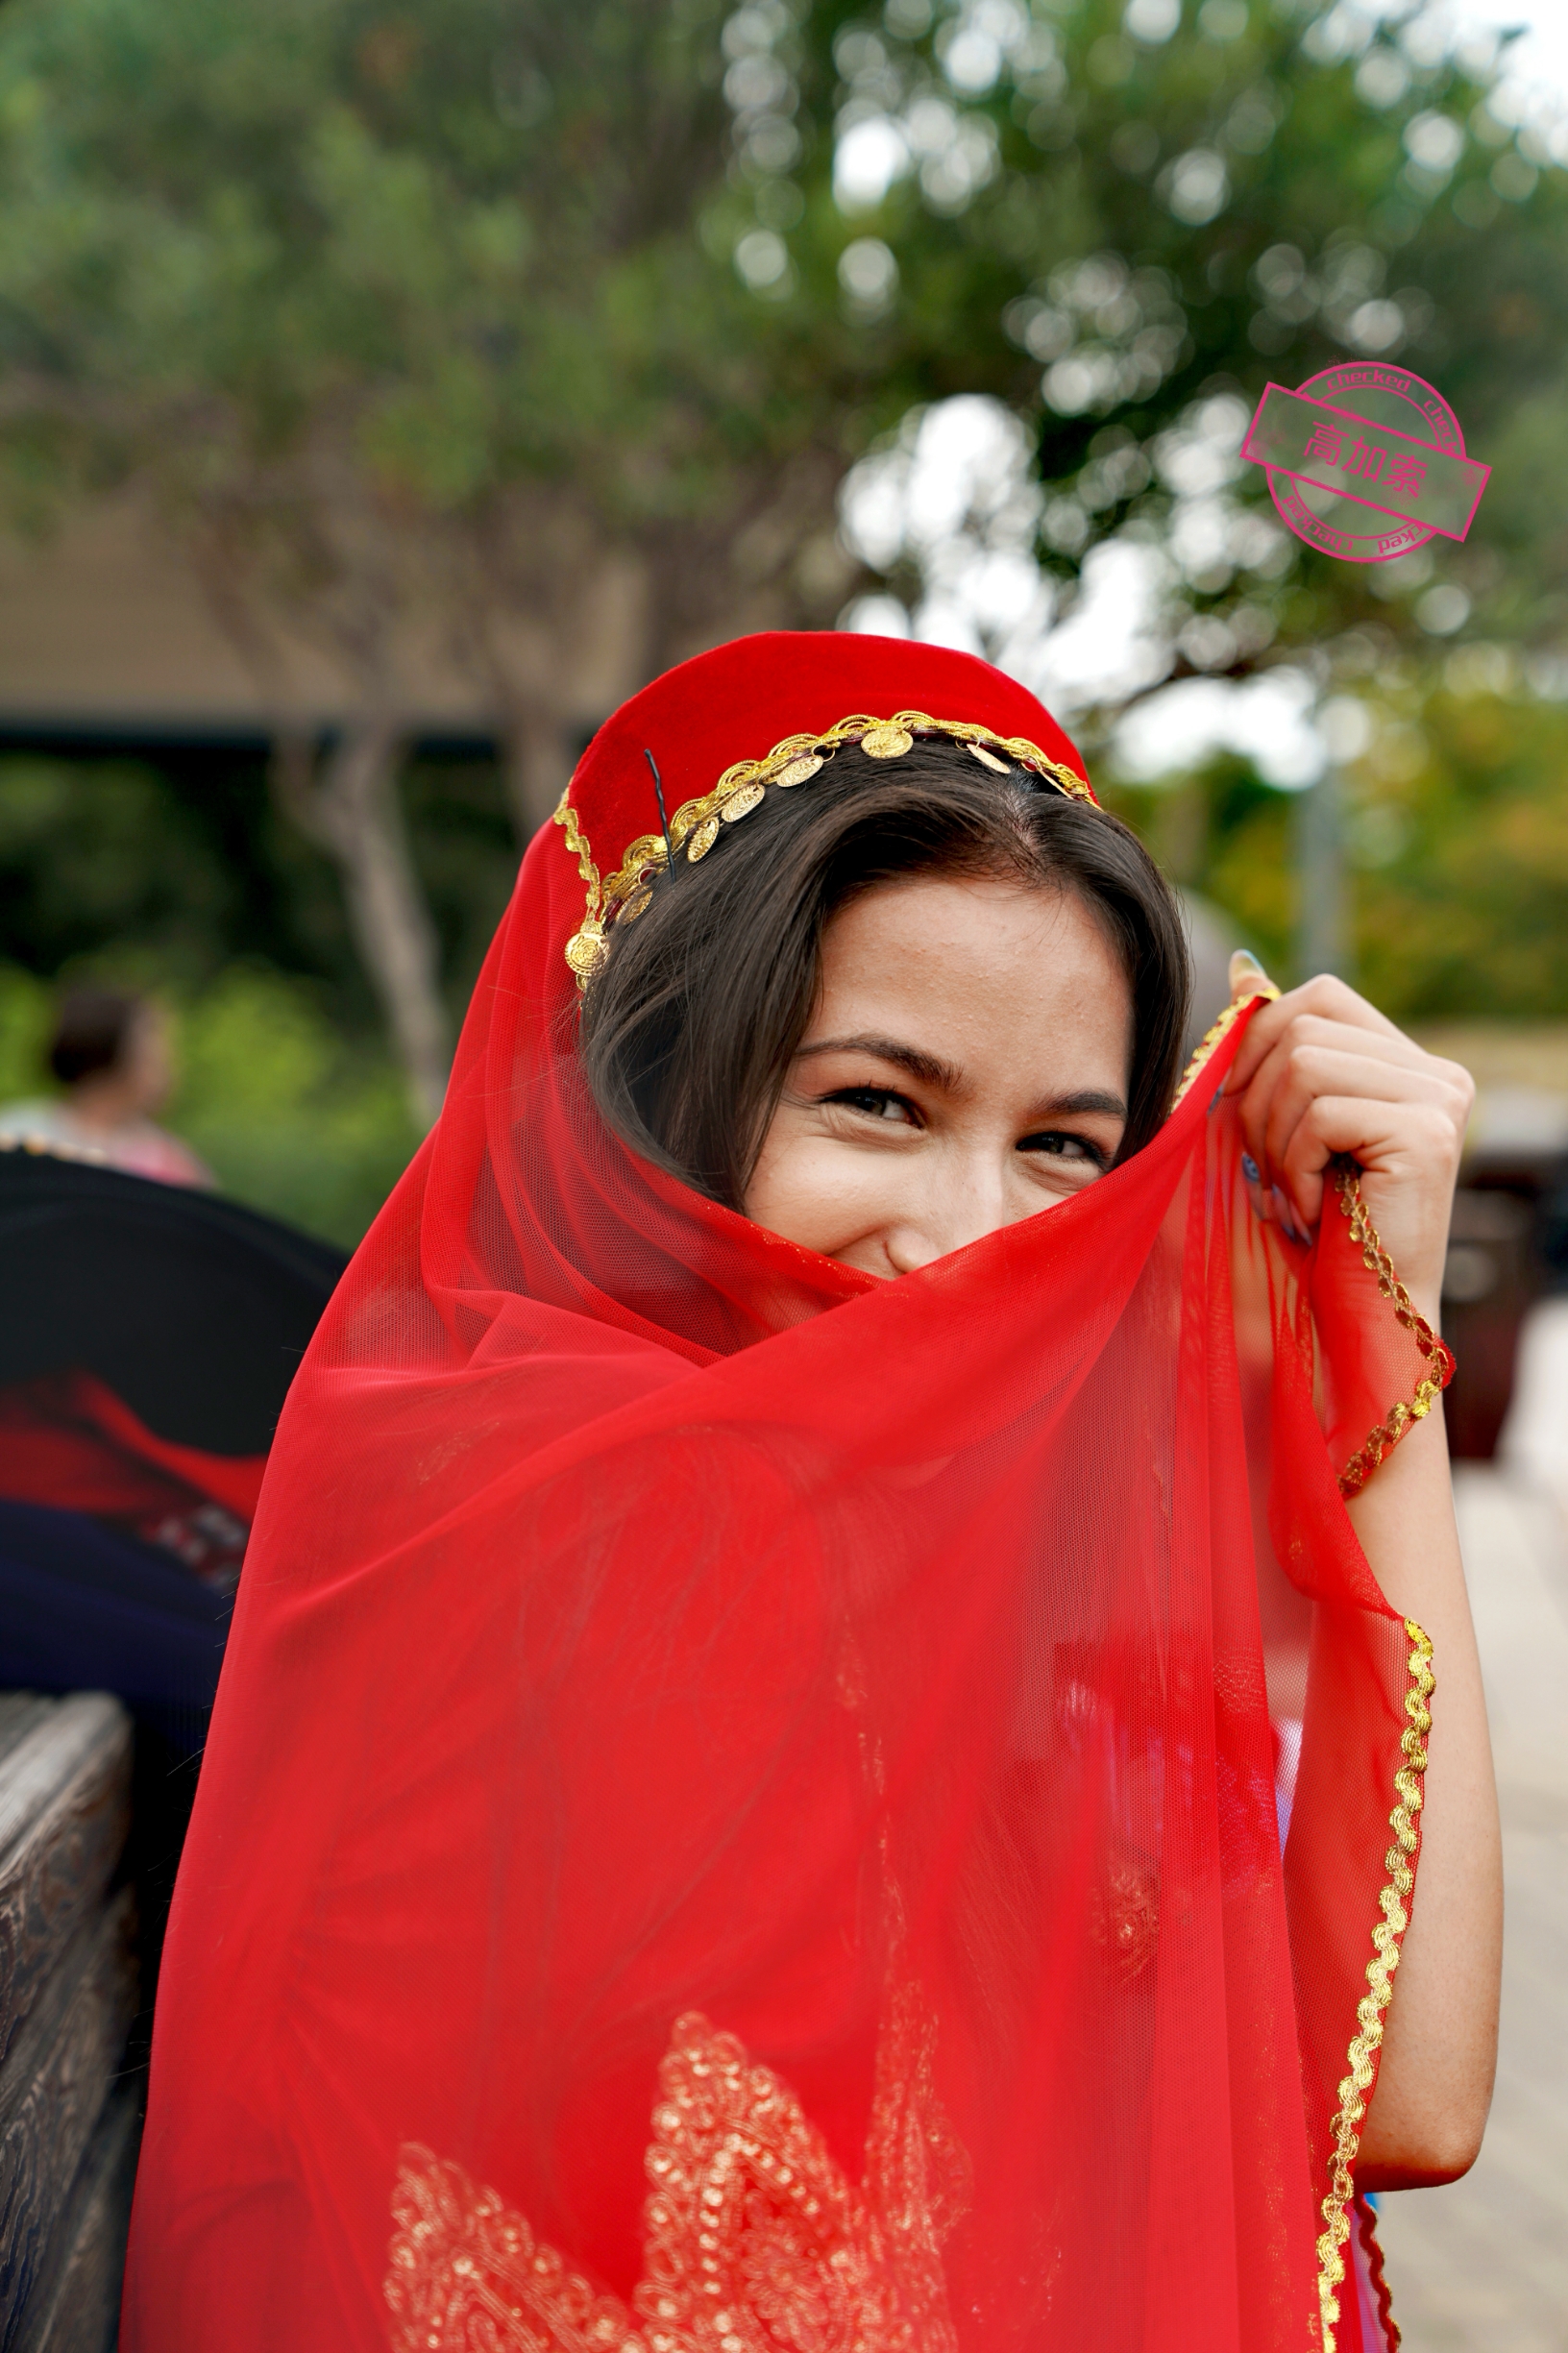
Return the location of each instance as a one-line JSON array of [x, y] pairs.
[[695, 825]]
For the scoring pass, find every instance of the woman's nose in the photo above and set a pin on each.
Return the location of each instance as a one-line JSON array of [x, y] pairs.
[[954, 1204]]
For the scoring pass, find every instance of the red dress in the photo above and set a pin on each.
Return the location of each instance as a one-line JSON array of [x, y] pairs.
[[740, 1815]]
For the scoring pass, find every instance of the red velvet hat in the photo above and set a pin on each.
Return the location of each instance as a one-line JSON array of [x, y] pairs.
[[764, 712]]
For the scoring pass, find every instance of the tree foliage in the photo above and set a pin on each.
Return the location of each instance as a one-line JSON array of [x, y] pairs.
[[398, 310], [403, 322], [1456, 841], [436, 304], [1106, 217]]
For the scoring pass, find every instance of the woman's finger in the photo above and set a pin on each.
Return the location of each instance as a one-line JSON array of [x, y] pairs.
[[1329, 1061], [1412, 1144], [1386, 1048], [1409, 1154], [1326, 998], [1319, 1056], [1284, 1090]]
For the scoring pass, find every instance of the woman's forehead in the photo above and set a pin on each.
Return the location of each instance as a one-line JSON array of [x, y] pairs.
[[971, 965]]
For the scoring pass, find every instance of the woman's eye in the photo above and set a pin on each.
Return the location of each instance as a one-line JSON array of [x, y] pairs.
[[875, 1103], [1055, 1143]]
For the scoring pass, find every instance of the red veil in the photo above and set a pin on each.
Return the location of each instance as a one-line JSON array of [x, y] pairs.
[[731, 1828]]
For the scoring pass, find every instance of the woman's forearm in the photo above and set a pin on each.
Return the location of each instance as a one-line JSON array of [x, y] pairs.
[[1321, 1076], [1439, 2051]]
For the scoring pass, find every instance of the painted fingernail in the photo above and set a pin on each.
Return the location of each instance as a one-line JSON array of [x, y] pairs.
[[1249, 1168], [1247, 976], [1286, 1215]]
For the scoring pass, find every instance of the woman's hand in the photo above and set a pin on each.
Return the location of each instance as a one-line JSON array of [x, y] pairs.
[[1321, 1071]]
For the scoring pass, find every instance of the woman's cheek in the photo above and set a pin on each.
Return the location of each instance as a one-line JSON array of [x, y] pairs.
[[820, 1193]]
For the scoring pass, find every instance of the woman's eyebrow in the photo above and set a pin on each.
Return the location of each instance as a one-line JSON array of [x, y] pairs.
[[930, 1068], [1091, 1099]]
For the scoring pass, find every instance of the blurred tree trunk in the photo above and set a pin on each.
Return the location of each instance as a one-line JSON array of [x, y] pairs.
[[1322, 936], [346, 800], [537, 762], [546, 628]]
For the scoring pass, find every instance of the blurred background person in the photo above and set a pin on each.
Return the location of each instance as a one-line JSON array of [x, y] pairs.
[[111, 1054]]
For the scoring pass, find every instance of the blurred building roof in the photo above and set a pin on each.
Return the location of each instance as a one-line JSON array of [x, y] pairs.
[[1521, 1075], [106, 628]]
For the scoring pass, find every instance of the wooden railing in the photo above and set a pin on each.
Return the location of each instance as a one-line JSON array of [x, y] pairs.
[[68, 2118]]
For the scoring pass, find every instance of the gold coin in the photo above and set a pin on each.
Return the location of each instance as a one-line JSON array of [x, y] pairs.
[[990, 758], [741, 803], [635, 904], [886, 742], [800, 772], [703, 840], [585, 951]]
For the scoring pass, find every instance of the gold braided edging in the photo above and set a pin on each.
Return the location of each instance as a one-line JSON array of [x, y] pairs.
[[1377, 1262], [1215, 1037], [741, 789], [576, 841], [1395, 1903]]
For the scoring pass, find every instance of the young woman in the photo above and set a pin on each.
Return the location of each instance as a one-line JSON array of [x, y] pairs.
[[744, 1813]]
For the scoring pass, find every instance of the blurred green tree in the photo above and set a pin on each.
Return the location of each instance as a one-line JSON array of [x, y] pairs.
[[283, 1110], [1457, 837], [1122, 220], [177, 877], [1457, 842], [403, 319]]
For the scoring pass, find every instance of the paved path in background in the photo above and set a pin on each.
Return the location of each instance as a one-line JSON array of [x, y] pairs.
[[1481, 2267]]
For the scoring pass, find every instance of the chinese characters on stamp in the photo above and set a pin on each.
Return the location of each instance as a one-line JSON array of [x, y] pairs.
[[1365, 462]]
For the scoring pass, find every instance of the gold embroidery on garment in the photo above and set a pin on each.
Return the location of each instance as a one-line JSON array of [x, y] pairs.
[[695, 825], [755, 2241], [1124, 1922], [1395, 1903], [1430, 1386]]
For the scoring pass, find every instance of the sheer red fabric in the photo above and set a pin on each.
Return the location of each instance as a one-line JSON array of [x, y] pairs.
[[740, 1814]]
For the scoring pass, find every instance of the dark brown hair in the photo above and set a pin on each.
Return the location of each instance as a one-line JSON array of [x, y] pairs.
[[92, 1030], [689, 1029]]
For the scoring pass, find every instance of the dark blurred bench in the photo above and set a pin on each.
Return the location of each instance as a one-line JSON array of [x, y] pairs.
[[69, 2118]]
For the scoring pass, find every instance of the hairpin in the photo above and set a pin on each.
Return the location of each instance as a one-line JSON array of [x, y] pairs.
[[658, 794]]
